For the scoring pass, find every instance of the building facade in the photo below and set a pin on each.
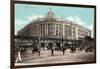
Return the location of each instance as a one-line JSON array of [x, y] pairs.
[[51, 26]]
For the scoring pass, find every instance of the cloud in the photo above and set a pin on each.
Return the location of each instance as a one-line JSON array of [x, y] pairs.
[[33, 17], [70, 18], [77, 20]]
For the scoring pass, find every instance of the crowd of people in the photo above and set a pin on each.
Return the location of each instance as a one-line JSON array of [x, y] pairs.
[[21, 51], [72, 48]]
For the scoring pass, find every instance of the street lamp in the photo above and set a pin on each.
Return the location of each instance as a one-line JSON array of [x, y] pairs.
[[39, 46], [62, 46]]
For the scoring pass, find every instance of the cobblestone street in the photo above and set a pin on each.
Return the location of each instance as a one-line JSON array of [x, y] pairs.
[[46, 58]]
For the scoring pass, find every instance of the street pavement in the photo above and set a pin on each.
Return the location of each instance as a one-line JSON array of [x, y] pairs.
[[46, 58]]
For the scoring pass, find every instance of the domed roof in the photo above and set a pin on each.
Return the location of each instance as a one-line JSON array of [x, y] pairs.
[[50, 14]]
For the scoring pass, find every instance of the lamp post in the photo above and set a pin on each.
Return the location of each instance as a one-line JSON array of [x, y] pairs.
[[62, 37], [63, 48], [62, 33], [39, 46]]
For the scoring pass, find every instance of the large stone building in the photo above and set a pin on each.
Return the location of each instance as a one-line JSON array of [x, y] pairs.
[[51, 26]]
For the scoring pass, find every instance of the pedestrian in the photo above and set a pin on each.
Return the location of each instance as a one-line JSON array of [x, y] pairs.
[[18, 59], [52, 51], [63, 50], [32, 50], [71, 48]]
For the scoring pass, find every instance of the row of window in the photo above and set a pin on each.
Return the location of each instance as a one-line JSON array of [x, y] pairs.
[[52, 30], [82, 32], [68, 31]]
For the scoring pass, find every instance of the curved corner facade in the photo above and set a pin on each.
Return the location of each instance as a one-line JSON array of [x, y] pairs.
[[51, 26]]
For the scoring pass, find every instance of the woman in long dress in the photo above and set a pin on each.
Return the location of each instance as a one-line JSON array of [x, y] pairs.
[[18, 59]]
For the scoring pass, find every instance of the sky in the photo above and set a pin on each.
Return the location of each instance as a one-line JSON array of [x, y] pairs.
[[25, 13]]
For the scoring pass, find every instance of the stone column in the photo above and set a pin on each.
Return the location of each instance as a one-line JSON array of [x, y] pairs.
[[71, 31], [41, 29], [58, 30], [47, 29], [76, 33], [55, 29], [63, 30]]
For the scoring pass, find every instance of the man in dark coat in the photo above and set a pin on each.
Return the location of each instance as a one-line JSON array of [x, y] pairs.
[[63, 48], [52, 51]]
